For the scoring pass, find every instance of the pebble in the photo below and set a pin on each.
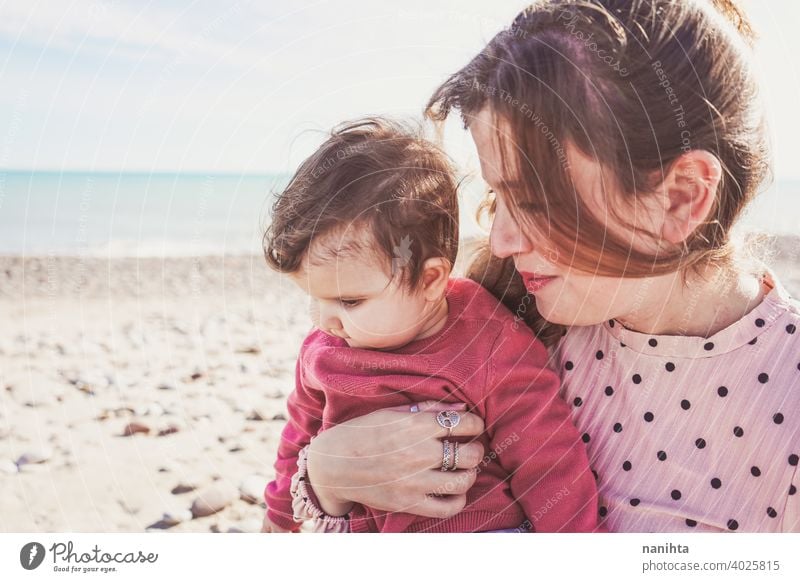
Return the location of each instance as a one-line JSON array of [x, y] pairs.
[[255, 415], [171, 428], [175, 516], [279, 416], [33, 468], [35, 456], [213, 499], [135, 427], [255, 350], [8, 467], [183, 488], [251, 489]]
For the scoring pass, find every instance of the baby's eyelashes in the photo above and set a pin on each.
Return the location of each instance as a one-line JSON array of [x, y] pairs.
[[350, 302]]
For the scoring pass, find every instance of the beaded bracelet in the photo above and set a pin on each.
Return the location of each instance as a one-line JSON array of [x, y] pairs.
[[305, 509]]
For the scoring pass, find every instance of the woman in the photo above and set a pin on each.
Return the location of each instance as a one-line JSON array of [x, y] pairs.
[[622, 141]]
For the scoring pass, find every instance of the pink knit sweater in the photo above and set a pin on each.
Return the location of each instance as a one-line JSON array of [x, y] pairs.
[[535, 473]]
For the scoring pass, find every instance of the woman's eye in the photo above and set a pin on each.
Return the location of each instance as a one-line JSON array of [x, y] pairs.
[[350, 302]]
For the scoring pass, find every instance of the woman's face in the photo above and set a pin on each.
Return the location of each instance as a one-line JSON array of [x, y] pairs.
[[563, 294]]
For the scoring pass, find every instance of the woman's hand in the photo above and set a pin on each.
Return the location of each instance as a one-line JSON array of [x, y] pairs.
[[391, 460]]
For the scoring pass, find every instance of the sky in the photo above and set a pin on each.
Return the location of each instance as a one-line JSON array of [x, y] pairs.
[[250, 87]]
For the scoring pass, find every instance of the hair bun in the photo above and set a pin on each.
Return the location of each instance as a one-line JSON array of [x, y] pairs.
[[738, 17]]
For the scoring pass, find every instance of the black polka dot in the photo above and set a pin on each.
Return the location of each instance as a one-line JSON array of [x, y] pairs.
[[792, 490], [760, 322], [578, 401], [626, 466], [755, 471], [648, 417], [603, 511], [662, 456], [738, 431], [611, 322], [585, 437], [793, 460], [635, 502], [691, 522], [617, 427], [791, 328], [670, 367], [777, 418], [675, 494], [569, 365], [771, 512], [722, 391], [637, 379], [609, 391], [763, 377], [653, 342], [733, 525], [596, 476], [599, 354], [621, 344], [753, 341], [708, 346], [716, 483], [700, 443], [685, 404]]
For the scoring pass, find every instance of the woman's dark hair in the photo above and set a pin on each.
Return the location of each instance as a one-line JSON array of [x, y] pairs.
[[633, 85]]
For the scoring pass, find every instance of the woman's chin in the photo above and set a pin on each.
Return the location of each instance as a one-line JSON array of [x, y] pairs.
[[556, 313]]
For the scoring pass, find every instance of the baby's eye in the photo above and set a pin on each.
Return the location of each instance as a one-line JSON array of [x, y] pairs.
[[350, 302]]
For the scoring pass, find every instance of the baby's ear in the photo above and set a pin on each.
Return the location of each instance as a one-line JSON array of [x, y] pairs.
[[435, 274], [688, 194]]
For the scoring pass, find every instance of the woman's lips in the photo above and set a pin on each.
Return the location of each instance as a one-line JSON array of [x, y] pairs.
[[534, 283]]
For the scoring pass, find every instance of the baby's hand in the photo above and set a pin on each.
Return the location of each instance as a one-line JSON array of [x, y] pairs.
[[268, 527]]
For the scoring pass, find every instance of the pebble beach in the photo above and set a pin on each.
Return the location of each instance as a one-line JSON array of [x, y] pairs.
[[148, 394]]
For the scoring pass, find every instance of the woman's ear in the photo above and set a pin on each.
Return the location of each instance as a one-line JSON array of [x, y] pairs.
[[435, 274], [688, 193]]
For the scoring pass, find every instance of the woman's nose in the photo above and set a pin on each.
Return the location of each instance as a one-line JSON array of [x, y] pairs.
[[506, 238]]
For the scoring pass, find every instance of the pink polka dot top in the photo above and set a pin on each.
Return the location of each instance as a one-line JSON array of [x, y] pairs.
[[691, 433]]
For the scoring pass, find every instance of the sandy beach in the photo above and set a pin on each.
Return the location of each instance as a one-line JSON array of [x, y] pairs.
[[149, 394]]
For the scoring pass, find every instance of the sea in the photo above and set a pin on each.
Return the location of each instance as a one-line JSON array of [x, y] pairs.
[[128, 214]]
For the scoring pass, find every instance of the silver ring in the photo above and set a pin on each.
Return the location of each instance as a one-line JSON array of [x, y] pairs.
[[445, 455], [413, 408], [448, 419], [455, 457]]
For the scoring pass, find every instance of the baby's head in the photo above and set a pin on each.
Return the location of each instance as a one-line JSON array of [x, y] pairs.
[[368, 228]]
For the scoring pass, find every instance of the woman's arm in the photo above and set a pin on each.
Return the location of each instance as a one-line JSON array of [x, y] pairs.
[[390, 460]]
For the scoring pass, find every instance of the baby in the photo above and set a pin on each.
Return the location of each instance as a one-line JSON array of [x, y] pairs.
[[368, 228]]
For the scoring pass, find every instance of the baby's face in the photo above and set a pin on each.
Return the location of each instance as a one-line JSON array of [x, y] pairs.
[[357, 300]]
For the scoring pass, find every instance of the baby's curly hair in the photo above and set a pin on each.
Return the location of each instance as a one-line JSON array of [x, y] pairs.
[[375, 186]]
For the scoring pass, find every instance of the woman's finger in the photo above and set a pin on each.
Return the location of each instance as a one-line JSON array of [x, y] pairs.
[[429, 405], [468, 425], [452, 482], [437, 406], [440, 507]]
